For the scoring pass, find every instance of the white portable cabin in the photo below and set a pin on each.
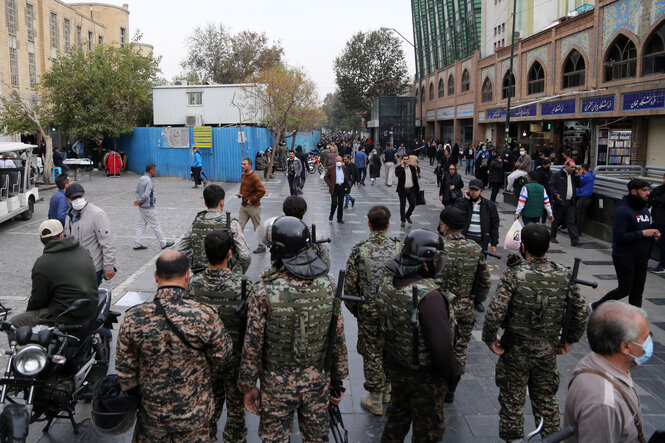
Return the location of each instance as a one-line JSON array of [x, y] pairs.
[[198, 105], [17, 194]]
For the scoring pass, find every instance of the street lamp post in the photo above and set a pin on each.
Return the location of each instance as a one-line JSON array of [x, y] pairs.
[[419, 89], [511, 76]]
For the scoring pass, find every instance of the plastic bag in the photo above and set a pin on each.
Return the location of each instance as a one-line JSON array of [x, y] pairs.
[[513, 237]]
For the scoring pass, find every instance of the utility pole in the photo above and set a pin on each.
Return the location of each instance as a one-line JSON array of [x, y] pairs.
[[511, 76]]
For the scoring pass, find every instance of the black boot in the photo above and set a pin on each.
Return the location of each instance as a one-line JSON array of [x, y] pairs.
[[450, 395]]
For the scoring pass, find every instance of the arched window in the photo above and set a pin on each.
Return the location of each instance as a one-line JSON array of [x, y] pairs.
[[451, 85], [654, 52], [621, 59], [465, 81], [508, 85], [536, 79], [422, 93], [487, 91], [431, 91], [441, 90], [573, 70]]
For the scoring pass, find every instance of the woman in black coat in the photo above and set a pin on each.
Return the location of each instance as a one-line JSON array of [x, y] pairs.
[[374, 166], [496, 175], [451, 186]]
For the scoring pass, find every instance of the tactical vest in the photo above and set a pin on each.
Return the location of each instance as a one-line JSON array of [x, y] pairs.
[[378, 270], [395, 308], [535, 202], [461, 266], [537, 309], [225, 302], [200, 228], [296, 331]]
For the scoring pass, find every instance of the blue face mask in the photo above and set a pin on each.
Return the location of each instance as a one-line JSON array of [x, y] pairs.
[[647, 347]]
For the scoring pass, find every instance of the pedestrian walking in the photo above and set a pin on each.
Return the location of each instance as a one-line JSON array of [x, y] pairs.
[[197, 165], [584, 195], [145, 199], [431, 153], [352, 173], [532, 331], [421, 370], [251, 192], [632, 240], [296, 206], [292, 316], [482, 163], [451, 186], [331, 158], [293, 173], [522, 168], [218, 286], [361, 163], [469, 157], [374, 162], [401, 151], [167, 350], [337, 180], [602, 404], [482, 217], [213, 218], [562, 188], [407, 189], [303, 157], [390, 159], [657, 203], [496, 175], [58, 205], [364, 268], [465, 275], [533, 201], [90, 225]]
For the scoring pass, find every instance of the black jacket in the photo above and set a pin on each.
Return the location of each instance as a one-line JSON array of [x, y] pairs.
[[401, 177], [496, 172], [450, 180], [559, 185], [657, 203], [544, 175], [489, 220], [353, 173], [628, 222]]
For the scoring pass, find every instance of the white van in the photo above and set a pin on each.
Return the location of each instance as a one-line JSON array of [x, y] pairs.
[[18, 193]]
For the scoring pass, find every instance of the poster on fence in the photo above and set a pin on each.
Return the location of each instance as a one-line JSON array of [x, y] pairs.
[[203, 136], [175, 138]]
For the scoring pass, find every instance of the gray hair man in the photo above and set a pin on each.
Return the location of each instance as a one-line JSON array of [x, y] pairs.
[[602, 403]]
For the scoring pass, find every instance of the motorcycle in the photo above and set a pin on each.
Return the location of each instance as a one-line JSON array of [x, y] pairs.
[[51, 367], [313, 164]]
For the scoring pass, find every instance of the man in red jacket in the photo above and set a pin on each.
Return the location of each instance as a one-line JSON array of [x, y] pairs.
[[251, 192]]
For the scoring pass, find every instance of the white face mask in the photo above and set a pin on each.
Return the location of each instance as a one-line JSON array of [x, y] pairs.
[[78, 204], [522, 152], [339, 164]]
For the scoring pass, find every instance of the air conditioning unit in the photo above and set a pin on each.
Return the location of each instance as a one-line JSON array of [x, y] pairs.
[[180, 83], [194, 120]]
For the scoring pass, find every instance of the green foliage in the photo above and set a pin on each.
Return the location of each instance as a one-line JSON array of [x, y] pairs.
[[17, 117], [371, 65], [103, 92], [214, 55], [337, 116]]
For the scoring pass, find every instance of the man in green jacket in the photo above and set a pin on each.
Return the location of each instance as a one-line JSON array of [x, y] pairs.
[[533, 200], [63, 274]]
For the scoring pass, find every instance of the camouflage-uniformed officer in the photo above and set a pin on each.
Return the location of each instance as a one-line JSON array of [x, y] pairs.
[[465, 269], [290, 315], [221, 287], [296, 206], [420, 358], [529, 304], [364, 271], [323, 155], [207, 221], [173, 376]]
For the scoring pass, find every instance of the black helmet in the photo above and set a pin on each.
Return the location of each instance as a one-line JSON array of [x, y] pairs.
[[291, 243], [420, 246], [113, 410]]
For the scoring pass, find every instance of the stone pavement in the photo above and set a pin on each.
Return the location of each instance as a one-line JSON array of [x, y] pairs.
[[474, 415]]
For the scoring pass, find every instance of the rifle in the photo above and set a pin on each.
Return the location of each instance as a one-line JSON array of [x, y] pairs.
[[332, 330], [414, 323], [243, 297], [314, 240], [491, 254], [228, 220], [565, 326], [339, 432]]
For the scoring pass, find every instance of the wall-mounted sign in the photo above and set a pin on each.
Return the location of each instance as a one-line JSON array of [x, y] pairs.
[[522, 111], [643, 100], [203, 136], [448, 112], [598, 104], [558, 108], [431, 114], [496, 113], [466, 109]]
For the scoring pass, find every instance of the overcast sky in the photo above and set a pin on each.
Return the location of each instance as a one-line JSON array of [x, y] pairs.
[[312, 32]]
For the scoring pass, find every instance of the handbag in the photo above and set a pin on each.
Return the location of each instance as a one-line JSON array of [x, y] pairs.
[[420, 198]]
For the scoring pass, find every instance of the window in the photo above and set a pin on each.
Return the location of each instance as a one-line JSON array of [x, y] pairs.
[[441, 90], [573, 70], [123, 37], [13, 63], [495, 32], [66, 31], [503, 27], [422, 94], [495, 46], [465, 81], [621, 59], [194, 98], [54, 30], [654, 52], [100, 39], [508, 85], [78, 36], [11, 17], [431, 91], [89, 40], [30, 21], [451, 85], [536, 79], [32, 70], [503, 42], [487, 91]]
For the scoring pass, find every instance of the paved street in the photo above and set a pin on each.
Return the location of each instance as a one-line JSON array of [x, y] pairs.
[[472, 418]]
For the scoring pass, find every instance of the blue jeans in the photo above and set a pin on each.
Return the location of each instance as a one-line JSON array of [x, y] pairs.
[[348, 197], [363, 174], [469, 166]]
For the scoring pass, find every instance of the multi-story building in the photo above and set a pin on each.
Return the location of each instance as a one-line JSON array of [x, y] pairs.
[[594, 84]]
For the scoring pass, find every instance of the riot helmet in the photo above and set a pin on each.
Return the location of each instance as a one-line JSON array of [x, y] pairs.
[[113, 410], [420, 246], [291, 244]]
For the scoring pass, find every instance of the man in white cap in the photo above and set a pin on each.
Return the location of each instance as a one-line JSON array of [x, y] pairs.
[[63, 274]]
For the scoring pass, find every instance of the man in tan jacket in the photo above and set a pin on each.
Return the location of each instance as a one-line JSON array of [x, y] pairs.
[[251, 192], [338, 185]]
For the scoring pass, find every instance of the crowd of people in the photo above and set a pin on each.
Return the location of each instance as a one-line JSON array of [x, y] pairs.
[[413, 300]]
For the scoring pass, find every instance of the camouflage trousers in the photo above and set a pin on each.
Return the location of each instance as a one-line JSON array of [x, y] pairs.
[[225, 389], [465, 321], [518, 369], [285, 391], [370, 347], [150, 433], [416, 398]]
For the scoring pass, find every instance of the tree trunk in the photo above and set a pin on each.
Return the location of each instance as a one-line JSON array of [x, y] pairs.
[[278, 138], [48, 158], [293, 142]]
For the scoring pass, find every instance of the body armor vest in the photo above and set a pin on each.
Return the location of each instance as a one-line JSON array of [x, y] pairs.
[[463, 259], [200, 228], [298, 321]]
